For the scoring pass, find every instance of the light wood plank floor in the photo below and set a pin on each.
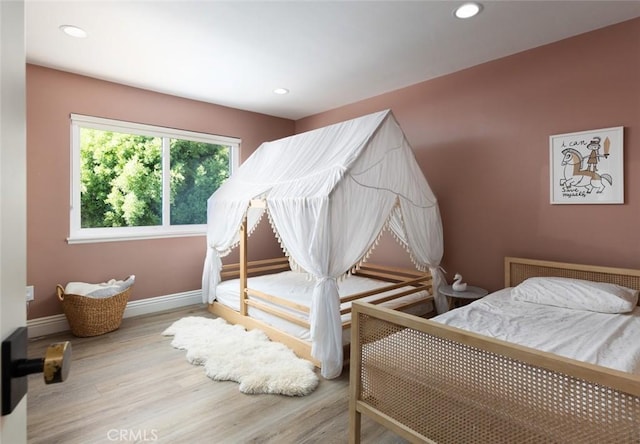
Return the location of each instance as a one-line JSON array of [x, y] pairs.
[[132, 386]]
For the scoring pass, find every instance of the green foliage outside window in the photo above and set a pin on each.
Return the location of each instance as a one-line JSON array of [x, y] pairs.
[[121, 179], [197, 170]]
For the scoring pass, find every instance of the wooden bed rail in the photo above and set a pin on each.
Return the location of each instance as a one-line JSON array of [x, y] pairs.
[[255, 268], [375, 271], [429, 382], [424, 281], [388, 273]]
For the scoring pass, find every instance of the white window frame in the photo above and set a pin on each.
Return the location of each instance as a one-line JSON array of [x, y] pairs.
[[77, 234]]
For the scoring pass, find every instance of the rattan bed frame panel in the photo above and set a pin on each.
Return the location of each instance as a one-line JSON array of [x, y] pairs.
[[517, 270], [433, 383]]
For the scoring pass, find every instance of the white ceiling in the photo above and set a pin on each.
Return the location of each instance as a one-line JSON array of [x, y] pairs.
[[327, 54]]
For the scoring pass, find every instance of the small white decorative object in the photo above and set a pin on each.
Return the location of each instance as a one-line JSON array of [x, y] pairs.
[[458, 285]]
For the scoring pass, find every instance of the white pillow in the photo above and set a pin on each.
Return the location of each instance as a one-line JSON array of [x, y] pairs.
[[577, 294]]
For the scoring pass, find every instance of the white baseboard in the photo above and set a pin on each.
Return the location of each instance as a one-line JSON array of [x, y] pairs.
[[57, 323]]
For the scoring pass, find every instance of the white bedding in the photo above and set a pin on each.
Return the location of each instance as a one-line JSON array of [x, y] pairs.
[[298, 288], [609, 340]]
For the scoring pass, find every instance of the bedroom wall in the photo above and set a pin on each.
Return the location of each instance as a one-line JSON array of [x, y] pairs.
[[481, 137], [162, 266]]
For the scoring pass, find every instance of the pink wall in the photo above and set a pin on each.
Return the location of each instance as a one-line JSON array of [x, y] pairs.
[[162, 267], [481, 137]]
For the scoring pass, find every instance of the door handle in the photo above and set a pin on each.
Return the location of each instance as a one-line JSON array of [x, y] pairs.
[[55, 366]]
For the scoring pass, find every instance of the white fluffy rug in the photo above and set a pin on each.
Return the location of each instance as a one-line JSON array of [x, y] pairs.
[[231, 353]]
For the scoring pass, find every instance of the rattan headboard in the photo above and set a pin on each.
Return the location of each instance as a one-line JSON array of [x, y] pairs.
[[517, 270]]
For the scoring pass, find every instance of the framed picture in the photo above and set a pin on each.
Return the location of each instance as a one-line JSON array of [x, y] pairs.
[[587, 167]]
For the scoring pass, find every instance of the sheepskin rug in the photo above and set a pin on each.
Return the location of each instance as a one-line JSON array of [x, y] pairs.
[[231, 353]]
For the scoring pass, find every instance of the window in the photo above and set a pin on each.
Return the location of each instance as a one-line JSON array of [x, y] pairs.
[[134, 181]]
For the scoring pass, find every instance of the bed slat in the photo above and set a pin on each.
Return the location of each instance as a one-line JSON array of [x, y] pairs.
[[396, 296], [365, 294], [277, 300], [263, 266], [236, 265], [391, 274], [281, 314], [394, 270]]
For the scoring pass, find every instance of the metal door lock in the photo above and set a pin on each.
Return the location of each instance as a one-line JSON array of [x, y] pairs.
[[16, 367]]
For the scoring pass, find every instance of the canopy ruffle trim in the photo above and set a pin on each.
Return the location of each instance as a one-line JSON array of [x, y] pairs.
[[250, 231], [403, 242], [352, 270], [292, 263]]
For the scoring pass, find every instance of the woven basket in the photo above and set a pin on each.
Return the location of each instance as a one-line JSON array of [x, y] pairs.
[[93, 316]]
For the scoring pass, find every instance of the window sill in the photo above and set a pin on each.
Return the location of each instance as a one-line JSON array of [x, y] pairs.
[[91, 239]]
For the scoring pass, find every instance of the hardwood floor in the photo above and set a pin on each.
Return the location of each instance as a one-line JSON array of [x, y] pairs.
[[131, 385]]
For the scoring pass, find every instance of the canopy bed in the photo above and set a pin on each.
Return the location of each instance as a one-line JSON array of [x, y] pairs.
[[328, 194], [276, 300], [433, 382]]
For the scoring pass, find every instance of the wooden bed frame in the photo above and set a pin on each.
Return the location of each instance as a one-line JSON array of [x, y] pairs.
[[397, 278], [429, 382]]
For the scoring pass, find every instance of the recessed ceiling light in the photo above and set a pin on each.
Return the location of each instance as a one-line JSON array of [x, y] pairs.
[[281, 91], [467, 10], [73, 31]]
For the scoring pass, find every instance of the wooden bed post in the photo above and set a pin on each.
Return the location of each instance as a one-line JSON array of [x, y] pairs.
[[243, 267], [355, 367]]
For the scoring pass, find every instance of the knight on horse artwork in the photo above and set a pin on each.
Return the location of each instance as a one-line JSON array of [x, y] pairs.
[[576, 176], [586, 167]]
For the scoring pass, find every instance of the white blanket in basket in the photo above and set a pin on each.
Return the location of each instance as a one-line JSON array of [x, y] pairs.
[[101, 290]]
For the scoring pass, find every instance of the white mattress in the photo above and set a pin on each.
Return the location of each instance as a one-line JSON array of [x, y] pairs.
[[298, 288], [609, 340]]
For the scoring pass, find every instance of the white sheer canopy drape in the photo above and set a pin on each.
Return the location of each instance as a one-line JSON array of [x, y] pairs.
[[329, 194]]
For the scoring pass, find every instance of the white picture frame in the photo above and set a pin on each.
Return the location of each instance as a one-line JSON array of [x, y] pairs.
[[587, 167]]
